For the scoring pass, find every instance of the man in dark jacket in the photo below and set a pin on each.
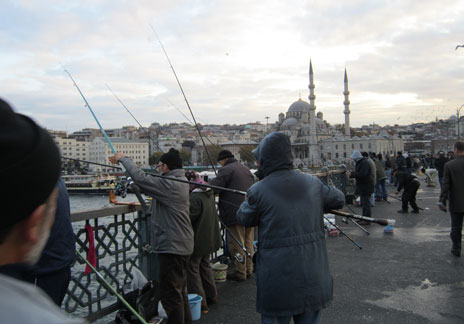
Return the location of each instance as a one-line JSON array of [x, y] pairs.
[[203, 215], [364, 182], [410, 185], [292, 275], [453, 189], [440, 166], [234, 175], [172, 238]]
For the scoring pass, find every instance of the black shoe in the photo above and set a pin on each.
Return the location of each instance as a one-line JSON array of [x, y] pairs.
[[401, 211], [415, 211], [235, 277], [456, 253]]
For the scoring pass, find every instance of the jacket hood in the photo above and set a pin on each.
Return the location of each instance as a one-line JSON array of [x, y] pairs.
[[274, 153], [356, 156]]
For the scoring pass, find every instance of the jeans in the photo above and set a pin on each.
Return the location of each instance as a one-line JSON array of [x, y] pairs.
[[381, 190], [305, 318]]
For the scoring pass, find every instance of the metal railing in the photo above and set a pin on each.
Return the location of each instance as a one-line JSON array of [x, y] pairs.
[[121, 234]]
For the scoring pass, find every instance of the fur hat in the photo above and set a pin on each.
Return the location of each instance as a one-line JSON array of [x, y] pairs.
[[172, 159], [29, 167], [224, 154]]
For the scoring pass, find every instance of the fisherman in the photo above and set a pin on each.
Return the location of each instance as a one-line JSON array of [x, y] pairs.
[[29, 155], [292, 270], [364, 183], [172, 238], [453, 190], [234, 175], [410, 184], [52, 272], [203, 215]]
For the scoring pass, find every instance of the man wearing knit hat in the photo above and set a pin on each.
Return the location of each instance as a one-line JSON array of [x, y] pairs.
[[29, 169], [234, 175], [172, 237]]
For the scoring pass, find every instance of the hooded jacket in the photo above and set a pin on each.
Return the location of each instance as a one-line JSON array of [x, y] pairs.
[[170, 221], [363, 175], [292, 272]]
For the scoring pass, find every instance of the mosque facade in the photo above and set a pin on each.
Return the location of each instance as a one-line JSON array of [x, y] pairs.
[[316, 143]]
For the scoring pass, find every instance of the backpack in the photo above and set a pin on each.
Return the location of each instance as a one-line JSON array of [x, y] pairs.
[[144, 301]]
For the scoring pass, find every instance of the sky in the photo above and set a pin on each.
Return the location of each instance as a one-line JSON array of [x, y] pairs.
[[238, 61]]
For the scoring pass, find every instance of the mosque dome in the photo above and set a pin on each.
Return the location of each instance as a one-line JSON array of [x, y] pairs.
[[299, 106], [290, 122]]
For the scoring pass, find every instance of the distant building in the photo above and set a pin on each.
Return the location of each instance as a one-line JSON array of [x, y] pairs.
[[100, 152], [71, 150]]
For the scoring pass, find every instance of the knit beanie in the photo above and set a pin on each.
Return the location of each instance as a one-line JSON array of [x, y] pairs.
[[224, 154], [172, 159], [29, 167]]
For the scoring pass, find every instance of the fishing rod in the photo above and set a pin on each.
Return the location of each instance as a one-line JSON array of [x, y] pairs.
[[382, 222], [356, 223], [180, 111], [127, 109], [88, 162], [185, 98], [128, 176], [343, 233], [110, 288]]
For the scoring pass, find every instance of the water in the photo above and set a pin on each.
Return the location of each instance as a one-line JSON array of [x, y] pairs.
[[87, 202]]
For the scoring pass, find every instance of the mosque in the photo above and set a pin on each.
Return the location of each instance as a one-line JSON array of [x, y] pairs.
[[316, 143]]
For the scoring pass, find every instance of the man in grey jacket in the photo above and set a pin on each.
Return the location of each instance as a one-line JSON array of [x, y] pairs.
[[292, 270], [172, 231], [29, 156]]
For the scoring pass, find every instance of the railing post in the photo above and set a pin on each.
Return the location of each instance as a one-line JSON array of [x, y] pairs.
[[148, 260]]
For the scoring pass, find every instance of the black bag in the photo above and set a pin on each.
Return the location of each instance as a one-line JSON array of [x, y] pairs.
[[144, 301]]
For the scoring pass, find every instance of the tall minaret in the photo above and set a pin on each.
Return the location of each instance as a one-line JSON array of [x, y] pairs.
[[312, 106], [346, 93]]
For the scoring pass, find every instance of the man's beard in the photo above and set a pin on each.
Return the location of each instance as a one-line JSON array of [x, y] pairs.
[[34, 254]]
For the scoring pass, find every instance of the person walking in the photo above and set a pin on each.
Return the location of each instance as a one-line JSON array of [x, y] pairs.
[[173, 236], [440, 166], [364, 183], [292, 276], [234, 175], [410, 184], [203, 215], [453, 190]]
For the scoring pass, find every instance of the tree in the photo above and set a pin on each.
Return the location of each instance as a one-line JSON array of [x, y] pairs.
[[154, 158], [213, 150], [185, 155], [246, 154]]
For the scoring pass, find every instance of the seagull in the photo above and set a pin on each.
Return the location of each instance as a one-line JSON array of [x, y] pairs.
[[458, 47]]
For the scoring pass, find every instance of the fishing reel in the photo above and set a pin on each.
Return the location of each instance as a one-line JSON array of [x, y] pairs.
[[121, 189]]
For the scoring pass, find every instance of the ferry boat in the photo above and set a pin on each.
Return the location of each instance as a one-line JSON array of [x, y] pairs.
[[90, 184]]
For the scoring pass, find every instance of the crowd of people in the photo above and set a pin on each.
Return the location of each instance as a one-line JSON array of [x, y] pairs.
[[286, 206]]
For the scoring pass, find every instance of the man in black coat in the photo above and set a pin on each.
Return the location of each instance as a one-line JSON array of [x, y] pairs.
[[234, 175], [410, 185], [440, 166], [364, 182], [453, 189]]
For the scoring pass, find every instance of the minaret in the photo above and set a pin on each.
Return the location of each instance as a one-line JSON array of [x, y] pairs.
[[346, 93], [312, 106]]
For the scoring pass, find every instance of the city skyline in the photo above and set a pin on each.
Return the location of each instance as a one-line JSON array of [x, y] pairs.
[[238, 62]]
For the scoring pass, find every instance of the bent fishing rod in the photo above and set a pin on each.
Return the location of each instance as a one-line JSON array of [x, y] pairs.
[[128, 176], [343, 233], [185, 98], [127, 109], [110, 288]]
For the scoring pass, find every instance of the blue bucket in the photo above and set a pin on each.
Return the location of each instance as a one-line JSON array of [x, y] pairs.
[[195, 306]]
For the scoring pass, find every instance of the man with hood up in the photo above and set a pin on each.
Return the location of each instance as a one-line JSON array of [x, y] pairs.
[[292, 269], [364, 182]]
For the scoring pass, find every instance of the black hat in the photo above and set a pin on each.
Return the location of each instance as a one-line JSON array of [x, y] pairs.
[[172, 159], [224, 154], [29, 167]]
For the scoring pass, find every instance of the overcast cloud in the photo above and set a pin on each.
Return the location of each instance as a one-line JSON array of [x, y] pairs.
[[238, 61]]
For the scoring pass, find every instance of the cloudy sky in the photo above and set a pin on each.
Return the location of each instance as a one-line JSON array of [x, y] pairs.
[[238, 61]]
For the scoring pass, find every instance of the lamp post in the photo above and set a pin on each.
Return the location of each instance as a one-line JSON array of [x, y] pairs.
[[458, 110]]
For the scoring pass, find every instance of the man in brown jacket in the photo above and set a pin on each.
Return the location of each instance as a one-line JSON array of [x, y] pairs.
[[453, 189], [234, 175]]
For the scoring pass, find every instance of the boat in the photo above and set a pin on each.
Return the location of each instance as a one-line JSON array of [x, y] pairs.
[[90, 184]]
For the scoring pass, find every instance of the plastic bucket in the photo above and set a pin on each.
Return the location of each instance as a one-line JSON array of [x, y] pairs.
[[195, 306], [390, 226], [220, 272]]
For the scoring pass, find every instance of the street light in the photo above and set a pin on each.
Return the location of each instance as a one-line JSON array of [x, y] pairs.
[[458, 110]]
